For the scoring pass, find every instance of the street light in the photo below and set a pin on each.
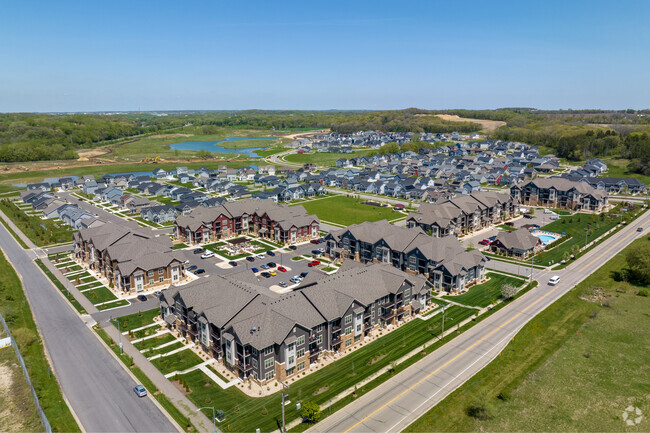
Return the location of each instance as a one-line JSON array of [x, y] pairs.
[[283, 395], [443, 323], [214, 418]]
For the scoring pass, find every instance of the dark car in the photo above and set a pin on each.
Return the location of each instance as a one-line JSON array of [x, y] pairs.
[[492, 238], [255, 270], [316, 252], [293, 247], [321, 240], [527, 215], [199, 272], [232, 263], [198, 250], [265, 275], [250, 258], [314, 241], [639, 229], [270, 253], [191, 268], [142, 298], [272, 264], [303, 274]]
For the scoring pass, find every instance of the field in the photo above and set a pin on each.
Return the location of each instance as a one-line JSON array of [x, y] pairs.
[[325, 158], [487, 293], [488, 125], [575, 367], [344, 210], [617, 167], [18, 315], [245, 413], [17, 409], [136, 320], [41, 232]]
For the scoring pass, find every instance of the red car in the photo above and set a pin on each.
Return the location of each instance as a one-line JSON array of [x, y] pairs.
[[282, 269], [313, 263], [485, 242], [314, 241]]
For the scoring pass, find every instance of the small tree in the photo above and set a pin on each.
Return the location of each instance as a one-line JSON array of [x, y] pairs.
[[310, 412], [508, 291]]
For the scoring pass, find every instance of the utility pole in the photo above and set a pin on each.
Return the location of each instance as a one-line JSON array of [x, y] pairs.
[[284, 430], [119, 332], [532, 262], [214, 418], [443, 323]]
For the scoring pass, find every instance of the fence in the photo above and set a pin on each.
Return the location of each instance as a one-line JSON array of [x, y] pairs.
[[46, 423]]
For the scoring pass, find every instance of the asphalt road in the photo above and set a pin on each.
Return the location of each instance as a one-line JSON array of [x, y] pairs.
[[95, 384], [398, 402]]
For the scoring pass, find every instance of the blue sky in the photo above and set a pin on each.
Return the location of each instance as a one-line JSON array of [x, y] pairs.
[[159, 55]]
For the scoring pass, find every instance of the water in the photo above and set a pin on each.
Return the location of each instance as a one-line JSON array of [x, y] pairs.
[[546, 238], [213, 146]]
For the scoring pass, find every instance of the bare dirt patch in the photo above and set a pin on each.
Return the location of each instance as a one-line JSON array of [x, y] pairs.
[[17, 410], [321, 390], [85, 155], [487, 125]]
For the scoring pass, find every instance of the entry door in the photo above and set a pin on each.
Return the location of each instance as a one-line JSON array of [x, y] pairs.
[[139, 286]]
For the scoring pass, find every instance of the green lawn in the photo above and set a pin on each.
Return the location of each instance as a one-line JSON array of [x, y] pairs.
[[177, 362], [347, 210], [576, 366], [270, 151], [41, 232], [14, 234], [163, 350], [119, 303], [179, 246], [325, 158], [245, 413], [18, 316], [487, 293], [617, 167], [150, 343], [136, 320], [99, 295]]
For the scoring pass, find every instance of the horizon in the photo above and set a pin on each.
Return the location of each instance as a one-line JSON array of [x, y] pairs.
[[138, 57]]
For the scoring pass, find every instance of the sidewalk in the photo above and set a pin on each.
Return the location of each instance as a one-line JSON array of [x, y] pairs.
[[186, 407]]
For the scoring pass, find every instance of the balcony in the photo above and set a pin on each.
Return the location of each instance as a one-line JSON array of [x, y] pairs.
[[244, 368], [336, 328], [336, 341], [367, 326], [388, 304], [314, 352], [389, 315]]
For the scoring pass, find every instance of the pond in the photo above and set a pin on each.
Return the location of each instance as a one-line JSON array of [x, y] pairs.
[[213, 146]]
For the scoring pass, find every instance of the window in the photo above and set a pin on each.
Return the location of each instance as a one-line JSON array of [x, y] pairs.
[[319, 340], [161, 271], [300, 366], [291, 360], [268, 350], [254, 362], [359, 327], [357, 338], [300, 353], [348, 319], [318, 328], [300, 341], [268, 363], [161, 279], [151, 282], [254, 352], [150, 274], [269, 375], [407, 293], [348, 330], [348, 342]]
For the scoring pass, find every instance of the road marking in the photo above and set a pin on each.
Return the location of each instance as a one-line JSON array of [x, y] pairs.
[[410, 388]]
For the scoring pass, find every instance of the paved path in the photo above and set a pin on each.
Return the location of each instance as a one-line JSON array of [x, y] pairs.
[[96, 386], [396, 403]]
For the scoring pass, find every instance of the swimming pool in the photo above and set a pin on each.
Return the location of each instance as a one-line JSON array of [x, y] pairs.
[[546, 237]]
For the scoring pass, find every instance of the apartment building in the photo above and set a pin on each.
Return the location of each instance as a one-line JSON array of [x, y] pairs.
[[132, 259], [443, 260], [264, 336], [264, 218], [464, 213], [558, 192]]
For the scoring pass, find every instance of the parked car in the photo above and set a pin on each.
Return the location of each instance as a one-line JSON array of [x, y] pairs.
[[186, 261], [528, 216], [321, 250], [199, 272], [232, 263], [293, 247], [282, 269], [321, 240], [314, 241], [303, 275], [265, 266], [250, 258], [191, 268], [255, 270], [484, 242], [492, 238], [510, 223], [554, 280], [265, 275], [295, 279], [157, 293], [207, 255], [315, 252], [313, 263], [198, 250], [140, 391], [273, 273], [142, 298], [282, 284], [260, 256], [270, 253]]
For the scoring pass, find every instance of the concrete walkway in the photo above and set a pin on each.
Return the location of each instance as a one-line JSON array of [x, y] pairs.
[[217, 379]]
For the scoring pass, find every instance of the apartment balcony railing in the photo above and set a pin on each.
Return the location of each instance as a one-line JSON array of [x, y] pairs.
[[244, 367], [388, 315], [336, 340]]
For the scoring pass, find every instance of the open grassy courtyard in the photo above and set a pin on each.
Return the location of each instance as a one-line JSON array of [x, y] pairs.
[[487, 293], [325, 158], [574, 367], [344, 210]]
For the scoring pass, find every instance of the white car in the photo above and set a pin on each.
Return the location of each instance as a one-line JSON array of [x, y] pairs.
[[260, 256], [295, 279], [554, 280], [207, 255]]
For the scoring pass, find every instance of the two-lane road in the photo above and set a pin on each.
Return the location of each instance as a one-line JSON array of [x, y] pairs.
[[396, 403], [94, 382]]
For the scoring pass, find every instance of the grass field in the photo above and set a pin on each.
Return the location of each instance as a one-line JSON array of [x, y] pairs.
[[150, 343], [487, 293], [17, 409], [18, 315], [574, 367], [177, 362], [244, 413], [136, 320], [325, 158], [41, 232], [346, 210], [617, 167]]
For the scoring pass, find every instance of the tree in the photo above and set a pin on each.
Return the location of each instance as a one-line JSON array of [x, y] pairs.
[[508, 291], [310, 412], [638, 261]]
